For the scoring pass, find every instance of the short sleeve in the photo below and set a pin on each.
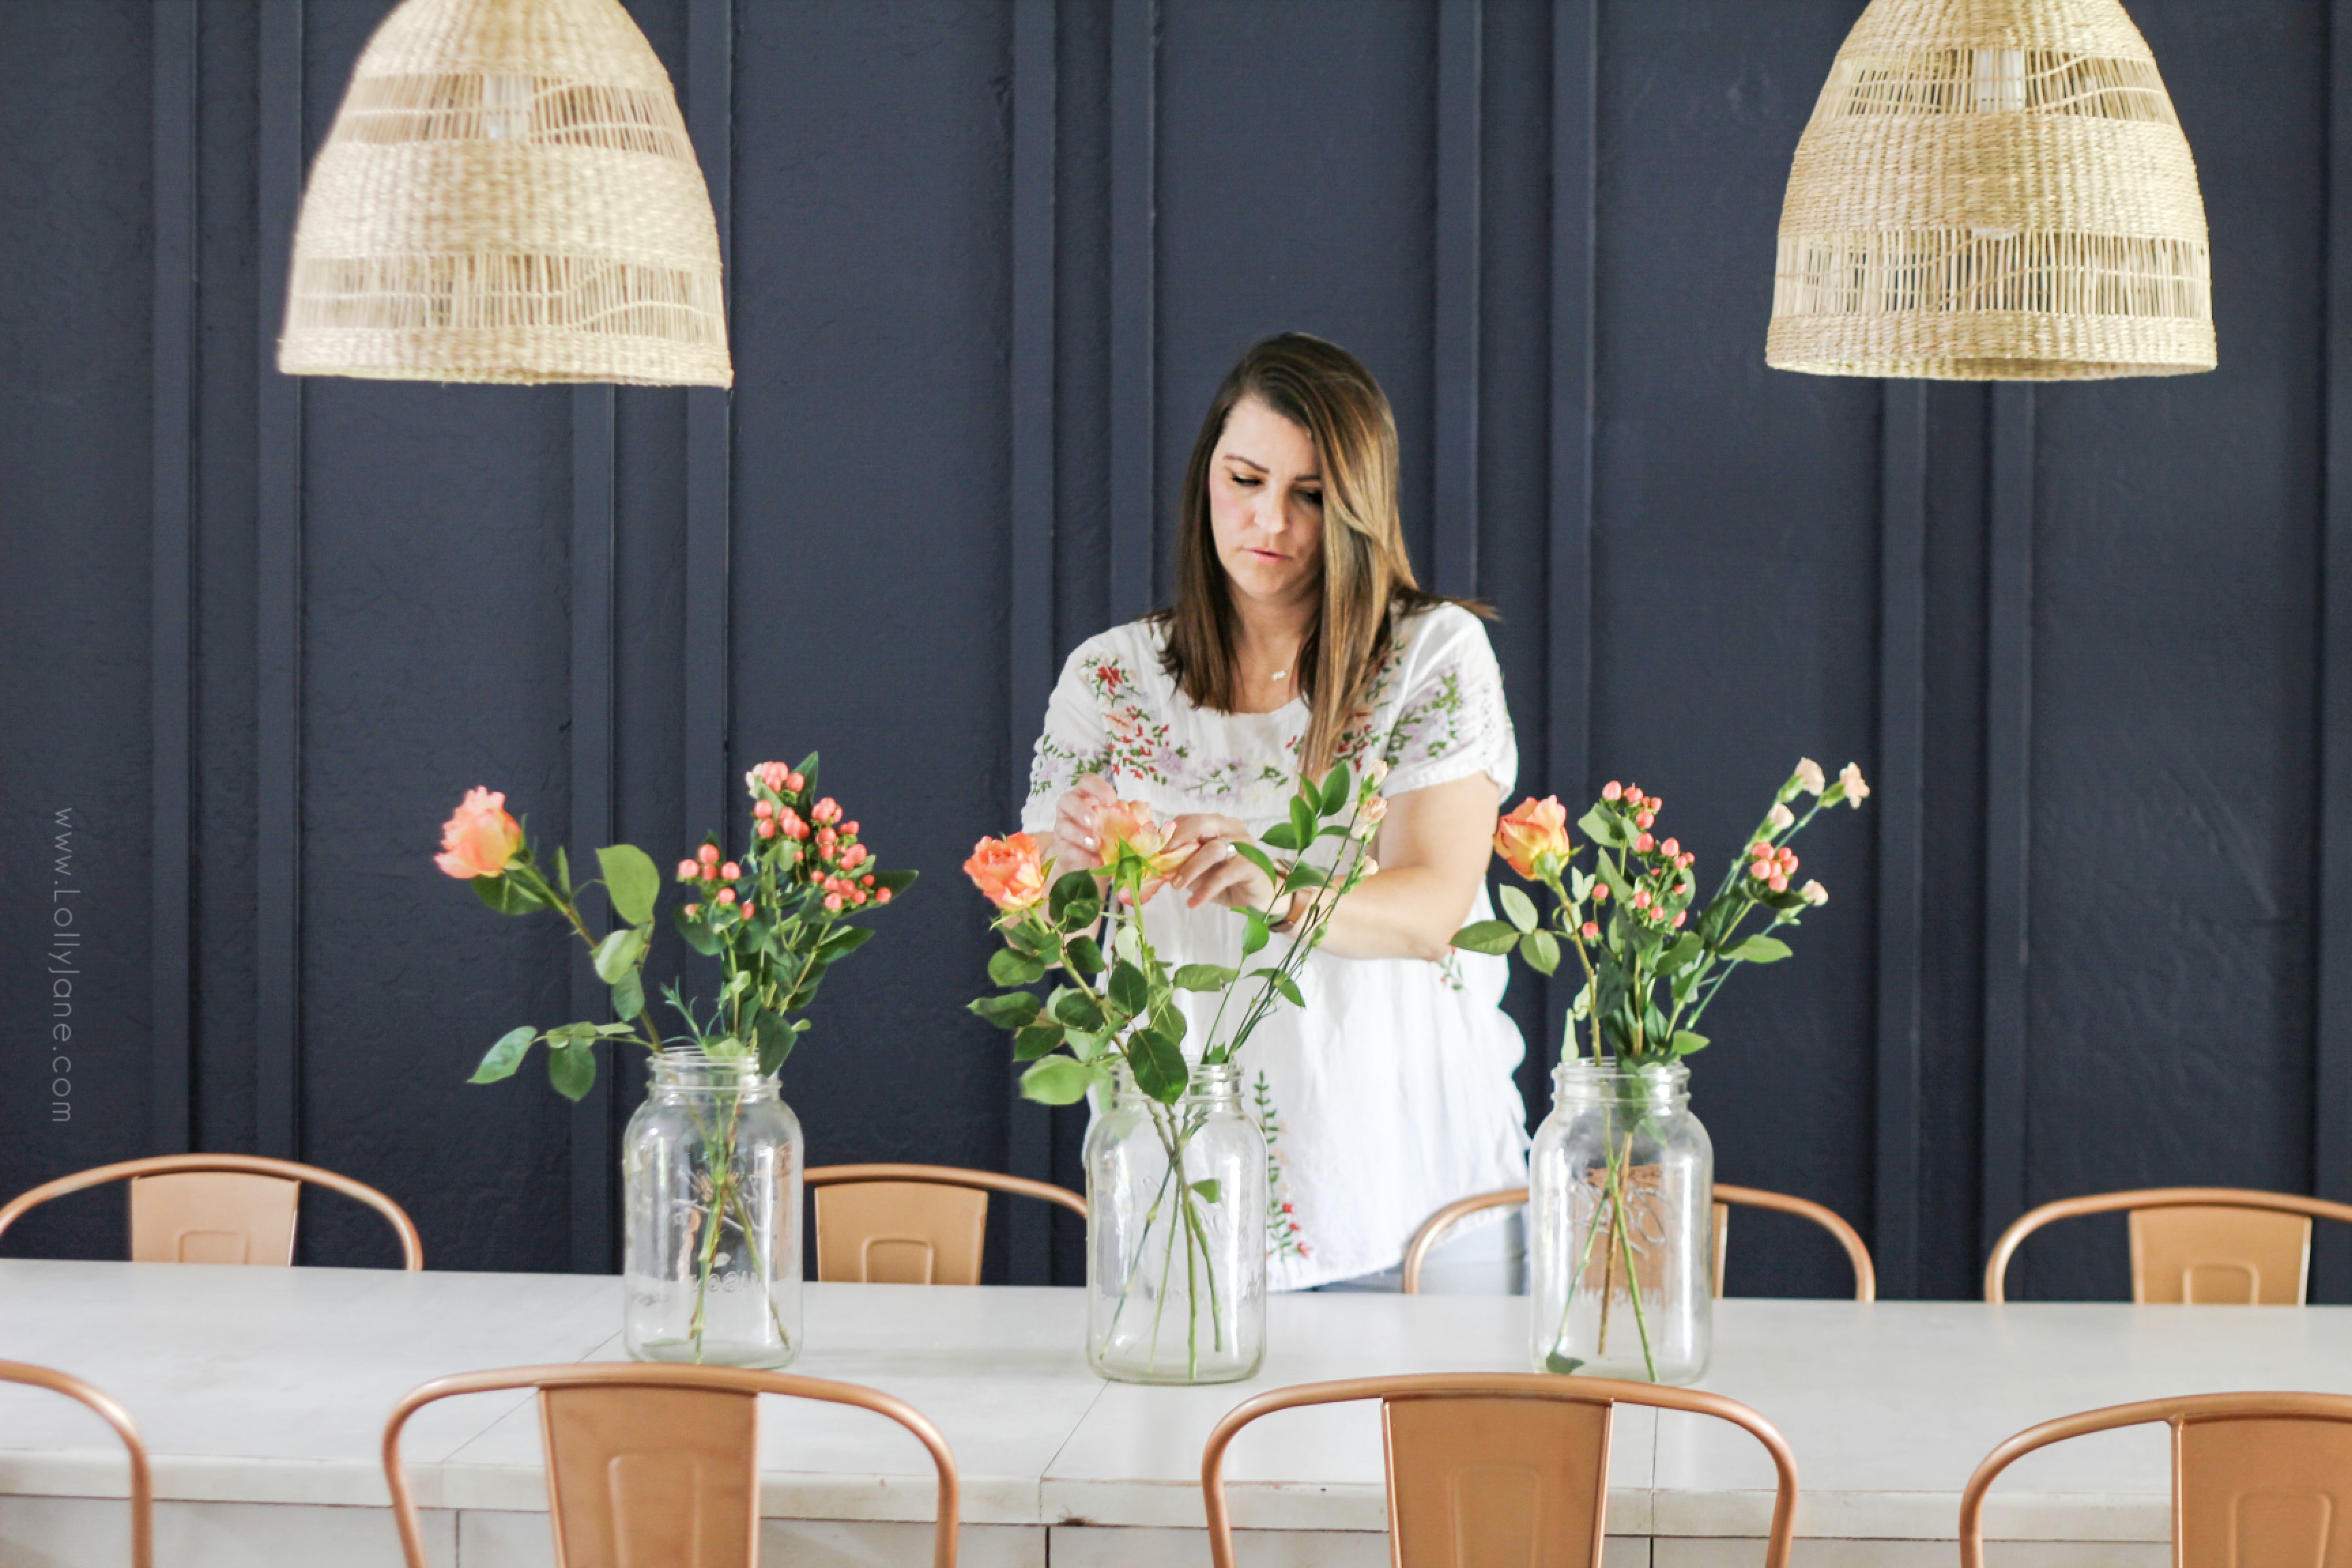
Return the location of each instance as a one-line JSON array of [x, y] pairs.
[[1451, 719], [1075, 743]]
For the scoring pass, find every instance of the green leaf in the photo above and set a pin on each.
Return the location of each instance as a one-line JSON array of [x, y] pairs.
[[573, 1070], [1013, 1010], [1207, 1191], [1486, 936], [1563, 1364], [1685, 952], [1303, 822], [1282, 836], [1619, 888], [1304, 876], [1337, 785], [807, 770], [507, 895], [846, 939], [1288, 987], [1080, 1009], [1007, 967], [1130, 992], [1204, 977], [1255, 933], [1520, 907], [1036, 1040], [698, 933], [1157, 1063], [563, 870], [1057, 1080], [774, 1037], [1760, 949], [1541, 948], [1259, 858], [1685, 1042], [1085, 957], [620, 952], [631, 880], [505, 1056], [897, 882], [628, 995], [1071, 892], [1605, 826]]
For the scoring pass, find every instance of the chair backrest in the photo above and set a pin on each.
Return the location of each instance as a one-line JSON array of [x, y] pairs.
[[1865, 1276], [2203, 1245], [2257, 1479], [910, 1224], [651, 1463], [217, 1208], [1487, 1467], [143, 1496]]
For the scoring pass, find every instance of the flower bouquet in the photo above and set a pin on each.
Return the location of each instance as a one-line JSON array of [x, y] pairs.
[[1176, 1167], [1621, 1174], [712, 1158]]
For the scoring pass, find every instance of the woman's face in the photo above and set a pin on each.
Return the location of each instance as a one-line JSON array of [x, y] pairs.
[[1266, 505]]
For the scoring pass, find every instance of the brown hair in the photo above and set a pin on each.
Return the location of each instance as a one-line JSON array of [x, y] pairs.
[[1327, 392]]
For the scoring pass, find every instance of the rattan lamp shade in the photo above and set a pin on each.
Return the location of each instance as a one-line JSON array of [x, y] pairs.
[[508, 195], [1993, 190]]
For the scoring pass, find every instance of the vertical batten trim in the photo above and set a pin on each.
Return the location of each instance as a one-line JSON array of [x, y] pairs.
[[2009, 714], [592, 826], [1134, 304], [1029, 653], [710, 446], [171, 571], [1901, 770], [1454, 529], [1568, 696], [2332, 1041], [278, 840]]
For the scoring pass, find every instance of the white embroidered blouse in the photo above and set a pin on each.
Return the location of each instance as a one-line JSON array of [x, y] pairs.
[[1389, 1094]]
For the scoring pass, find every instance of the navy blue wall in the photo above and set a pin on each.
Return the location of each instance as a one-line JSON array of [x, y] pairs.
[[989, 259]]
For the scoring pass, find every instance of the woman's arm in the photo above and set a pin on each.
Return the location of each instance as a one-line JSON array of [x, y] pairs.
[[1431, 849]]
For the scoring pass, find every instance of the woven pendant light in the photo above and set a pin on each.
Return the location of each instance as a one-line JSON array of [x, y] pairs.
[[1993, 190], [508, 195]]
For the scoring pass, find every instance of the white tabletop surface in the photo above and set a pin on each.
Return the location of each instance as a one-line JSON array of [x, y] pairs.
[[271, 1385]]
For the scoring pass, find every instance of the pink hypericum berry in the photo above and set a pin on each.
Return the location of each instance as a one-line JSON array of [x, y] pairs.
[[726, 895], [708, 854], [849, 828], [827, 837], [1644, 844], [1654, 803], [1671, 848], [1760, 869], [1599, 892], [1592, 931], [750, 909], [1689, 856], [1613, 790], [690, 870], [765, 829], [833, 903], [1778, 883], [882, 895], [732, 871], [1645, 818], [795, 782], [1787, 860], [1680, 916], [1634, 794], [790, 821], [692, 910], [854, 858], [764, 808], [868, 879], [826, 811], [1640, 898]]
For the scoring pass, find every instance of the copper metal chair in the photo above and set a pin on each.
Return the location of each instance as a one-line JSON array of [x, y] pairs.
[[1487, 1467], [911, 1225], [2204, 1245], [649, 1462], [1865, 1276], [217, 1208], [2257, 1479], [143, 1493]]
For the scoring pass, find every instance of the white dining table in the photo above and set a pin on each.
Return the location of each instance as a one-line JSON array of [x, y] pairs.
[[262, 1395]]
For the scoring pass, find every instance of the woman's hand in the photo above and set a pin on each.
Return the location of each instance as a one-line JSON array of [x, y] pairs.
[[1078, 833], [1212, 873]]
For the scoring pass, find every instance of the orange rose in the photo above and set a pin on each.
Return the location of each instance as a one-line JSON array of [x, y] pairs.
[[1536, 829], [1010, 871], [1129, 829], [479, 837]]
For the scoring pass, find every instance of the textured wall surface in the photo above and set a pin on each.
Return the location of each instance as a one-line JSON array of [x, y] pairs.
[[902, 511]]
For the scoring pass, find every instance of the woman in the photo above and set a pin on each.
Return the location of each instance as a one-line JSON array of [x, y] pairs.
[[1298, 639]]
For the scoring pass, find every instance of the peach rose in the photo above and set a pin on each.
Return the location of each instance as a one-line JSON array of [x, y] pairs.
[[479, 837], [1011, 872], [1128, 827], [1536, 828]]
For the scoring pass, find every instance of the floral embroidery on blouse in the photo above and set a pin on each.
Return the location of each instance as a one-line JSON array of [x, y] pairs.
[[1284, 1236]]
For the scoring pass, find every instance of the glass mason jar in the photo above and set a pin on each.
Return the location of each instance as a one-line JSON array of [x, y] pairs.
[[1176, 1234], [1621, 1226], [710, 1174]]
